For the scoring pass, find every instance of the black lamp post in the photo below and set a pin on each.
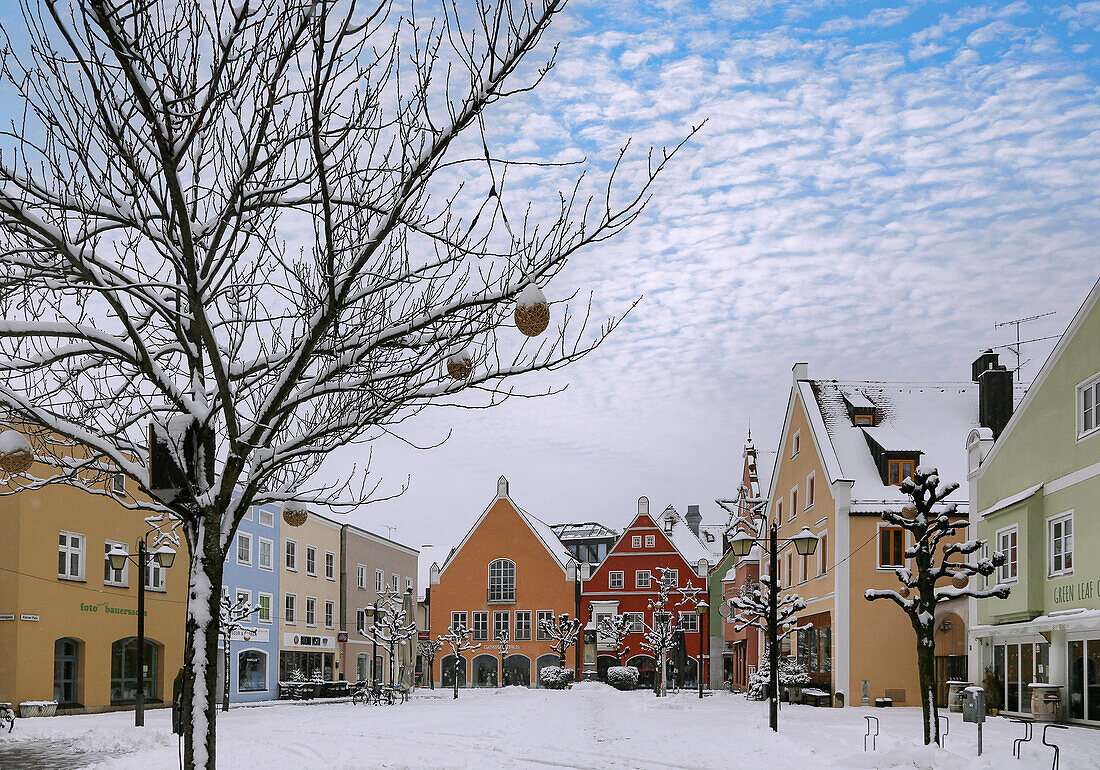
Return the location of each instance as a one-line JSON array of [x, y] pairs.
[[701, 610], [805, 543], [118, 557]]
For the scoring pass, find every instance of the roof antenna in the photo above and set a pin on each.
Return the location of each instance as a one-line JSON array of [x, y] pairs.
[[1015, 347]]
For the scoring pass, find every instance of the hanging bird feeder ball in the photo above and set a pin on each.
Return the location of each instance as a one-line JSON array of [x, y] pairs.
[[16, 454], [960, 581], [532, 311], [460, 365], [295, 514], [905, 592]]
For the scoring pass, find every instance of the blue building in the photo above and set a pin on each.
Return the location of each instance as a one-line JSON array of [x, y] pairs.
[[252, 571]]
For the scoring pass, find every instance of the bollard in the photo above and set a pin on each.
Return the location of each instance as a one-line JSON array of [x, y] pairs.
[[946, 730], [1017, 745], [868, 735], [1056, 727]]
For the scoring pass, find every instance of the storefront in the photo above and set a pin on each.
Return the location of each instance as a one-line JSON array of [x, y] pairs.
[[314, 657], [814, 649]]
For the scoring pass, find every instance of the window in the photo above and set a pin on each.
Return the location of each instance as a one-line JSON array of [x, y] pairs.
[[502, 581], [543, 616], [899, 470], [395, 581], [251, 671], [789, 571], [650, 541], [112, 576], [809, 491], [330, 613], [244, 597], [311, 611], [154, 576], [1088, 407], [70, 556], [263, 601], [458, 620], [796, 443], [891, 547], [669, 522], [636, 541], [500, 624], [672, 577], [408, 584], [311, 560], [266, 518], [66, 669], [360, 620], [267, 550], [290, 609], [330, 565], [118, 483], [689, 621], [865, 419], [794, 504], [642, 578], [523, 625], [803, 568], [361, 575], [1007, 544], [615, 580], [634, 622], [1060, 544], [248, 514], [822, 554], [244, 549], [379, 580], [481, 627], [779, 512], [292, 555]]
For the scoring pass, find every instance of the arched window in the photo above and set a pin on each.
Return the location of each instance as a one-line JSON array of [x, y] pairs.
[[66, 671], [485, 671], [542, 662], [251, 671], [502, 581], [517, 671], [124, 667], [447, 671]]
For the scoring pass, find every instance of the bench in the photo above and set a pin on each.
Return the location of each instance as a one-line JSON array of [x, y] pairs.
[[813, 697]]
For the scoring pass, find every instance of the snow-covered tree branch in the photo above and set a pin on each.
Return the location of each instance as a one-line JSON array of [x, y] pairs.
[[749, 609], [393, 627], [613, 631], [458, 639], [563, 632], [933, 527]]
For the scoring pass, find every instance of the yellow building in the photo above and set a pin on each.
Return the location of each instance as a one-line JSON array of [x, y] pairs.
[[309, 582], [68, 621]]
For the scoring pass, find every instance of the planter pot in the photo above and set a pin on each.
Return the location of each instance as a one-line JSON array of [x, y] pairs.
[[37, 708]]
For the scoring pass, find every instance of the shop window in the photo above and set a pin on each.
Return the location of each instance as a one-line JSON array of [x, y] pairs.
[[1084, 679], [251, 671], [124, 668]]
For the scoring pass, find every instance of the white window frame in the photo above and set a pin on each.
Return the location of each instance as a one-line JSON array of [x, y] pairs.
[[541, 615], [244, 593], [395, 581], [635, 619], [794, 503], [360, 620], [379, 580], [248, 513], [290, 560], [1060, 518], [156, 576], [689, 622], [69, 549], [635, 541], [498, 616], [361, 576], [639, 574], [1002, 571], [611, 582], [311, 609], [266, 518], [796, 443], [672, 577], [823, 554], [526, 615], [408, 584], [330, 566], [311, 558], [479, 634], [270, 566], [1092, 386], [124, 580], [118, 483], [290, 608], [811, 489], [650, 541], [459, 616], [330, 613], [260, 596], [244, 537]]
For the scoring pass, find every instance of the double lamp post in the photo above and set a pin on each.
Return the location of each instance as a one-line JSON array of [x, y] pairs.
[[805, 543], [374, 613], [118, 556]]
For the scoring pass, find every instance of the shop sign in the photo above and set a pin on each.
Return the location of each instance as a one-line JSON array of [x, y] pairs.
[[303, 640], [8, 616], [107, 609], [341, 636], [33, 618], [424, 636], [1077, 591]]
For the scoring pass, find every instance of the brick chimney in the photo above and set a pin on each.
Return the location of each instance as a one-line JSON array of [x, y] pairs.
[[693, 518], [994, 392]]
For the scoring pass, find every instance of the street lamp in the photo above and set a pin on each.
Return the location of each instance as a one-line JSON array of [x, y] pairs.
[[374, 612], [118, 556], [805, 543], [701, 610]]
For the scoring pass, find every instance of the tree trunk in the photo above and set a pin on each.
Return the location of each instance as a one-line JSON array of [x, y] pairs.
[[457, 668], [200, 708], [926, 670]]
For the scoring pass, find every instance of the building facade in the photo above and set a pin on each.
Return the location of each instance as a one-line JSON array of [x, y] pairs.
[[509, 572], [1036, 487], [68, 621], [309, 580]]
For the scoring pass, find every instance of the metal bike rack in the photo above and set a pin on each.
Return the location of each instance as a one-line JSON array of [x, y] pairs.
[[868, 735], [946, 729], [1051, 745], [1017, 745]]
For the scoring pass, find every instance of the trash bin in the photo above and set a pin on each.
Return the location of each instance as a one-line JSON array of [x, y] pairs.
[[1046, 701]]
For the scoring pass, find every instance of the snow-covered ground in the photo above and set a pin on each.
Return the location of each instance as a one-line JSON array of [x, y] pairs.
[[589, 726]]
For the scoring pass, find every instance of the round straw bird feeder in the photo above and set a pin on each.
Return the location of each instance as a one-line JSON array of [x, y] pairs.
[[16, 454], [460, 365], [960, 581], [532, 311], [295, 514]]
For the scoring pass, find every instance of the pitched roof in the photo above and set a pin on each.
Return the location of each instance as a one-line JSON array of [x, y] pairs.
[[682, 538]]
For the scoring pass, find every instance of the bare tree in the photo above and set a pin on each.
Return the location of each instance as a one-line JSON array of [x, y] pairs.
[[458, 639], [392, 627], [613, 630], [428, 649], [503, 637], [929, 522], [563, 634], [749, 609], [262, 230], [232, 617], [659, 634]]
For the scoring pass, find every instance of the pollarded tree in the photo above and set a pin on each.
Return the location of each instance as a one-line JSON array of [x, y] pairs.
[[263, 230], [930, 522], [392, 628], [563, 633], [659, 634], [428, 649], [458, 639], [232, 617], [613, 630]]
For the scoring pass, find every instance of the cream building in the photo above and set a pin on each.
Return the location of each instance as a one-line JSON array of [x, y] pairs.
[[309, 606]]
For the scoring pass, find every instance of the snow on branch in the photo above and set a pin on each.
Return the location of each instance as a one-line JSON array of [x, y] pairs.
[[563, 632]]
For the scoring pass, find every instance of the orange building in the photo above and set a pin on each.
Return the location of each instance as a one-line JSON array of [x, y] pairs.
[[509, 572]]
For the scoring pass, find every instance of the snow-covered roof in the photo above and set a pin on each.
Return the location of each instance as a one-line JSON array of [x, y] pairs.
[[1011, 500], [932, 418], [682, 538], [857, 398], [583, 531]]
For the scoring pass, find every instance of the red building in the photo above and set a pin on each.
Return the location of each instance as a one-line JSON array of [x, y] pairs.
[[626, 581]]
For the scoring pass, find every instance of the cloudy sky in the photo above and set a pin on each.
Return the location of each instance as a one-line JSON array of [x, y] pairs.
[[876, 186]]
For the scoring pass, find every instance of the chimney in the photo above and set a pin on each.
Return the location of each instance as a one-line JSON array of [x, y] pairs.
[[693, 518], [800, 371], [994, 392]]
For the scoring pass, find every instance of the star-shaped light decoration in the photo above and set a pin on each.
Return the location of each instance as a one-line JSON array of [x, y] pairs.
[[689, 593]]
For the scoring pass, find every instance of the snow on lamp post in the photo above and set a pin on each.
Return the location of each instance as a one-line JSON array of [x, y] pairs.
[[165, 556], [805, 543], [701, 610]]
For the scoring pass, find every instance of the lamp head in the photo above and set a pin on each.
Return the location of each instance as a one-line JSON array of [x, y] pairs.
[[805, 542], [117, 556], [701, 608], [165, 556], [742, 543]]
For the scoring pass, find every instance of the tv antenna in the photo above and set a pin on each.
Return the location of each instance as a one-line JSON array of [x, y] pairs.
[[389, 530], [1014, 347]]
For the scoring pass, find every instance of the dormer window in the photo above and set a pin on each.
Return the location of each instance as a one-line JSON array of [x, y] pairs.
[[898, 470], [668, 524], [861, 418]]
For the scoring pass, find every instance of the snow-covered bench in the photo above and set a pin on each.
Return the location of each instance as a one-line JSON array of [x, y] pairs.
[[816, 696]]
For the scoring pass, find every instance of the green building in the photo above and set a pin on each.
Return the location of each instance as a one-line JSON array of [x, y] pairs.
[[1035, 485]]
